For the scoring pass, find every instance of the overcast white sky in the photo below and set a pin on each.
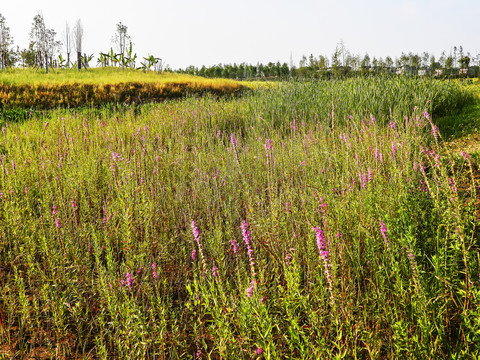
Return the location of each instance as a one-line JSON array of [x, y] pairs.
[[207, 32]]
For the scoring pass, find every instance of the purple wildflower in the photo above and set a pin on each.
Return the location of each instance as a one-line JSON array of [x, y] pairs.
[[234, 245], [154, 271], [363, 180], [465, 155], [248, 241], [215, 272], [196, 236], [378, 155], [58, 223], [322, 249], [394, 149], [451, 182], [268, 145], [128, 280], [384, 231], [194, 254], [259, 351], [251, 288], [233, 141]]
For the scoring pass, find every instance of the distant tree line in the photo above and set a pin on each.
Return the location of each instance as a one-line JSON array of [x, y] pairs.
[[241, 71], [343, 64], [45, 52]]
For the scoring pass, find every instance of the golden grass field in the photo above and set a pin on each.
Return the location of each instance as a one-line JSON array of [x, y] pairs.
[[69, 88]]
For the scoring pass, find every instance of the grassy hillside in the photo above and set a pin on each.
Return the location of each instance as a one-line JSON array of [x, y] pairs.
[[25, 88]]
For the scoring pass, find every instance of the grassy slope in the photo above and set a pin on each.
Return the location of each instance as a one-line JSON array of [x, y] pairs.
[[109, 75], [461, 129], [25, 88]]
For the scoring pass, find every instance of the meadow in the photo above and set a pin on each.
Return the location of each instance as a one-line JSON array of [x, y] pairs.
[[68, 88], [307, 220]]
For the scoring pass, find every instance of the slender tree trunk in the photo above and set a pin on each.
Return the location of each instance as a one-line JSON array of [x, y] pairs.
[[46, 63], [3, 61], [68, 60], [79, 60]]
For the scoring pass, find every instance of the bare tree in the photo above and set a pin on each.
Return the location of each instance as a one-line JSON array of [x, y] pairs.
[[67, 42], [78, 40], [5, 41], [120, 40]]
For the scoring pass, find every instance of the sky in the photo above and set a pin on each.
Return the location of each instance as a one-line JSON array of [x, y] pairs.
[[209, 32]]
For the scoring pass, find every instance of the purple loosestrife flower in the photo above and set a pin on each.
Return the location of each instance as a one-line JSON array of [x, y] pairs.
[[215, 272], [233, 140], [378, 155], [196, 236], [322, 249], [394, 149], [248, 241], [465, 155], [58, 223], [451, 182], [234, 245], [384, 231], [128, 280], [194, 254], [363, 180], [251, 288], [413, 264], [259, 351], [154, 271], [268, 145]]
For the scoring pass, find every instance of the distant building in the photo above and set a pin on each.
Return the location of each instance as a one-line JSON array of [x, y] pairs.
[[406, 70], [467, 72]]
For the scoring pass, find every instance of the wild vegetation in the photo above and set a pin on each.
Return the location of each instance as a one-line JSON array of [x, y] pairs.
[[28, 89], [305, 220]]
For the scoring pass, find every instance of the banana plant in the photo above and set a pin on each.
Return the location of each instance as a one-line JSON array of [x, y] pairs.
[[129, 58], [149, 62], [61, 61], [103, 59], [86, 59]]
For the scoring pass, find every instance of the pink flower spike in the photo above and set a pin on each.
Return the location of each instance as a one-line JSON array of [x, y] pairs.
[[251, 288]]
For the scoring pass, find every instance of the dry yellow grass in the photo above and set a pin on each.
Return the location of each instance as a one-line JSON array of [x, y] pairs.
[[68, 88]]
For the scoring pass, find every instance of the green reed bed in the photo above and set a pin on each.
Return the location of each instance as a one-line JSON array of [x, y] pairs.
[[238, 229]]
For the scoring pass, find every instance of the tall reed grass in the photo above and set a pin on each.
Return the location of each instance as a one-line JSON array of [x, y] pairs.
[[278, 225]]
